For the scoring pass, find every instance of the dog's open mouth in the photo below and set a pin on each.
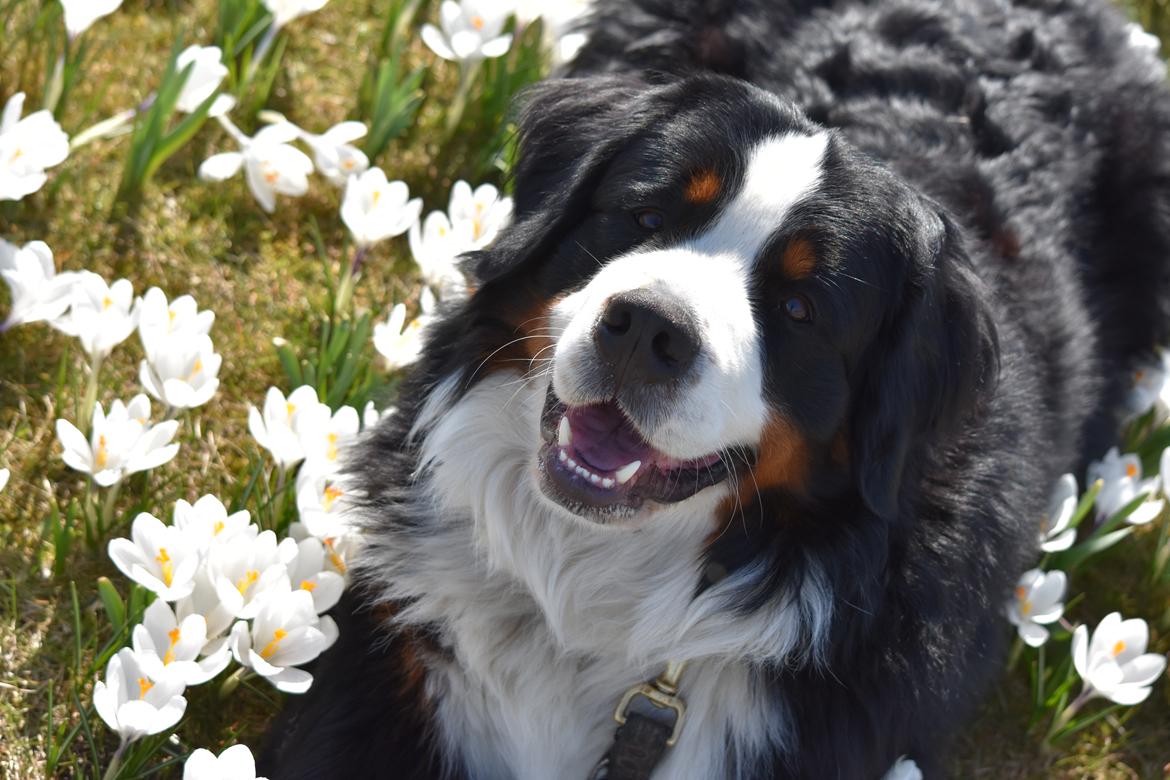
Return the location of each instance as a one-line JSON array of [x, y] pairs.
[[595, 462]]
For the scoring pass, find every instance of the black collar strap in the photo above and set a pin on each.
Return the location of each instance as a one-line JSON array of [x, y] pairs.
[[650, 717]]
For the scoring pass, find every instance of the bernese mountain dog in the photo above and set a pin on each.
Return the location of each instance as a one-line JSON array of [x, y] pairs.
[[745, 430]]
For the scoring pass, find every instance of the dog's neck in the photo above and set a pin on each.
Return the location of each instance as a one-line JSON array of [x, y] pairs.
[[549, 619]]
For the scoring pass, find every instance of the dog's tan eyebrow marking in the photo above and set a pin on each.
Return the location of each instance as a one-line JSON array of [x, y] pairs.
[[703, 187], [799, 258]]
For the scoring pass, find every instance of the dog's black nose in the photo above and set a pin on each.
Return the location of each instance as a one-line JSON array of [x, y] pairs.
[[646, 338]]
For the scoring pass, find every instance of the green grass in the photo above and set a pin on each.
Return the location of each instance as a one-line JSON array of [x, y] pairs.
[[264, 278]]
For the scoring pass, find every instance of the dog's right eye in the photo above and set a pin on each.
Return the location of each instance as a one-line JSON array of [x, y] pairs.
[[649, 219]]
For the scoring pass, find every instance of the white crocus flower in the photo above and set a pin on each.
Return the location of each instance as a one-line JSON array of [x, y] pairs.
[[160, 558], [1114, 662], [477, 216], [286, 633], [207, 73], [81, 14], [277, 430], [1038, 601], [436, 248], [324, 436], [101, 315], [371, 416], [1122, 478], [207, 522], [235, 763], [4, 475], [27, 147], [560, 21], [1151, 388], [132, 704], [249, 570], [471, 30], [375, 209], [1055, 535], [204, 601], [307, 571], [903, 769], [339, 550], [285, 11], [185, 374], [120, 443], [401, 344], [158, 321], [271, 165], [474, 219], [169, 649], [39, 293], [337, 159], [320, 501]]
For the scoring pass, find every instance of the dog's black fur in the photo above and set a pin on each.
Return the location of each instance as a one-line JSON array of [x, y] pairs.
[[1015, 159]]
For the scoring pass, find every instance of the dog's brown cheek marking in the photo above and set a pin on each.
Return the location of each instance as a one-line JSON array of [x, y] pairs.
[[703, 187], [532, 337], [799, 259], [408, 666], [782, 462]]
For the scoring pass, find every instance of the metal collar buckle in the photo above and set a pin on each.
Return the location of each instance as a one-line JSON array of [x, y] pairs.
[[662, 692]]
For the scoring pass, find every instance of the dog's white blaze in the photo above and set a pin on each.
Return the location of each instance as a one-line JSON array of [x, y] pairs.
[[780, 172], [551, 618], [711, 275]]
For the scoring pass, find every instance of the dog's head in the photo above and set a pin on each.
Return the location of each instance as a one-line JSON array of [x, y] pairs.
[[724, 297]]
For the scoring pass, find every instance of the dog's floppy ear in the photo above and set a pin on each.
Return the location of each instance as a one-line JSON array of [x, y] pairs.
[[935, 358], [569, 130]]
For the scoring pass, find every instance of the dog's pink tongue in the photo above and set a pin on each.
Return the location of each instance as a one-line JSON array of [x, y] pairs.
[[605, 439]]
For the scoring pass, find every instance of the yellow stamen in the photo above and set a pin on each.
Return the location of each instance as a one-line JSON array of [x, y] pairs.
[[334, 558], [309, 586], [270, 648], [144, 686], [107, 302], [103, 454], [1021, 591], [173, 634], [331, 451], [247, 581], [477, 22], [1131, 471], [1026, 608], [290, 409], [16, 155], [1118, 648], [271, 177], [331, 494], [171, 315], [195, 369], [377, 196], [168, 567], [347, 164], [215, 529]]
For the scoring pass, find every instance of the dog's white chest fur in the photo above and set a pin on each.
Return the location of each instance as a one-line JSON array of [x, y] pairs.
[[550, 619]]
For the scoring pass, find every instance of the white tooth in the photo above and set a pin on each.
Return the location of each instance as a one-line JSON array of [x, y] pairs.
[[607, 483], [572, 463], [596, 480], [582, 472], [627, 472], [563, 456], [564, 433]]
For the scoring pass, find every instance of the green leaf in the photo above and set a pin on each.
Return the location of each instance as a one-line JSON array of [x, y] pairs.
[[114, 606], [1086, 503], [290, 364], [1072, 558]]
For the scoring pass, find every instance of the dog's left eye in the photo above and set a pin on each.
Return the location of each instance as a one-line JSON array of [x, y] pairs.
[[797, 307], [649, 219]]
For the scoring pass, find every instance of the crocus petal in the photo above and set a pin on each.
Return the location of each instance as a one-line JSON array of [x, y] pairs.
[[220, 167]]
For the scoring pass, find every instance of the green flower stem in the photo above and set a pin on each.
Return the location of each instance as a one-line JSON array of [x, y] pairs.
[[85, 417], [115, 762], [259, 53], [91, 515], [278, 502], [467, 73], [108, 508], [56, 84], [1014, 655], [1063, 719], [231, 683], [349, 281]]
